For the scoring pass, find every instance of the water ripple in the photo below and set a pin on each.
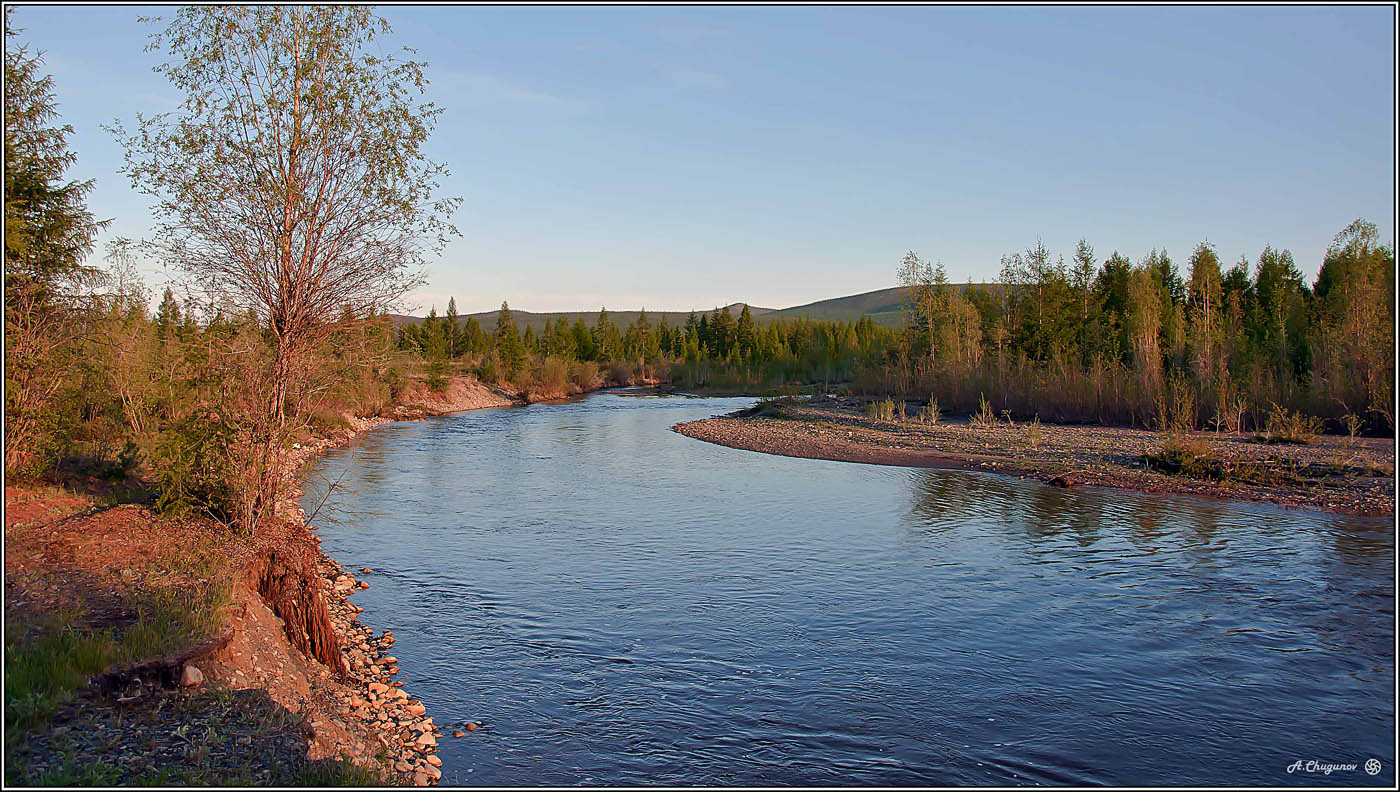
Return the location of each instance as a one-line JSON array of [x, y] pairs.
[[619, 604]]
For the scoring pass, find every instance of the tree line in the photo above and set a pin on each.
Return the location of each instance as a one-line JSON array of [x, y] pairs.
[[1118, 342], [710, 349]]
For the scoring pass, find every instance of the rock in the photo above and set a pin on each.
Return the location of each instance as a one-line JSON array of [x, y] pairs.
[[415, 708], [366, 570], [459, 733], [471, 727], [191, 677], [426, 738], [431, 770], [402, 766], [1064, 480], [433, 759], [378, 687]]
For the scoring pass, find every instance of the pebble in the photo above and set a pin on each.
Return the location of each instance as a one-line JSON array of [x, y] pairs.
[[433, 759], [191, 677], [427, 738], [459, 733]]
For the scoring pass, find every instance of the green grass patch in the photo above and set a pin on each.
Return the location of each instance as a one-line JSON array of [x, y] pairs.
[[48, 661]]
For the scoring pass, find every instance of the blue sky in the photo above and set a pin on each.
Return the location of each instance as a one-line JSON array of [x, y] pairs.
[[687, 157]]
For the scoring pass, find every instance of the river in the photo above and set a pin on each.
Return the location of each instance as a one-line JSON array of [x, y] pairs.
[[619, 604]]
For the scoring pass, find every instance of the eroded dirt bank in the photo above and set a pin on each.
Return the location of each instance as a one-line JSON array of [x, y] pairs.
[[1354, 476], [273, 675]]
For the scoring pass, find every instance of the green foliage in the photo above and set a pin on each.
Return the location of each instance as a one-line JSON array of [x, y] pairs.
[[194, 469], [48, 233], [1283, 426], [46, 662], [1184, 454], [1126, 342], [42, 671]]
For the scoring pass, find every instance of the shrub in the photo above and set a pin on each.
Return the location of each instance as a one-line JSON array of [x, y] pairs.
[[984, 416], [195, 467], [1033, 435], [486, 371], [554, 374], [1176, 407], [619, 373], [930, 414], [1283, 426], [326, 418], [881, 410], [584, 375], [1181, 453]]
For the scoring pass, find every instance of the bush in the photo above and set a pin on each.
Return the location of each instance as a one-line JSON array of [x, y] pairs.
[[584, 375], [1182, 454], [486, 371], [1176, 407], [1283, 426], [554, 375], [930, 414], [325, 418], [1033, 434], [194, 467], [619, 373], [881, 410], [984, 416]]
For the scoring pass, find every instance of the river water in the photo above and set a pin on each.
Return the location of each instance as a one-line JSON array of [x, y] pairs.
[[619, 604]]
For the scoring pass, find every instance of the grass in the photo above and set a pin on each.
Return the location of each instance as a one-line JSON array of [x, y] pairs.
[[984, 417], [881, 410], [770, 407], [53, 655], [196, 769], [330, 772], [930, 413], [45, 666]]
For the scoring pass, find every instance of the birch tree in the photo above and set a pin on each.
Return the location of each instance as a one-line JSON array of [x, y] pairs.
[[292, 181]]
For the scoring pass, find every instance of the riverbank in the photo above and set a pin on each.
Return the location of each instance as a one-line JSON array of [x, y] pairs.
[[1339, 474], [160, 650]]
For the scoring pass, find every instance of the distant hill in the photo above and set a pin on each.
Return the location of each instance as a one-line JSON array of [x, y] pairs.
[[882, 305], [885, 306]]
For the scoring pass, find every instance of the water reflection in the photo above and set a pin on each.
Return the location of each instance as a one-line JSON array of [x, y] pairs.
[[624, 605]]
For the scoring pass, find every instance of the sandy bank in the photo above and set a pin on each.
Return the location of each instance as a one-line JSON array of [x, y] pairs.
[[1334, 474]]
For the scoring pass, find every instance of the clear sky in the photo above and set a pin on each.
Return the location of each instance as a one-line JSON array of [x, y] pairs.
[[687, 157]]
